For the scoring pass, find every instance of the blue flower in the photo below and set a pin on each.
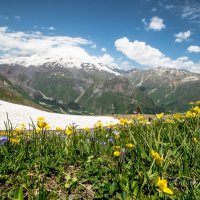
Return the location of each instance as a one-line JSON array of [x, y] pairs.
[[111, 140], [3, 140], [104, 143]]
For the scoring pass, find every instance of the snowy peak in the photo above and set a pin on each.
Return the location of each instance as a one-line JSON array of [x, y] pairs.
[[55, 60], [174, 73]]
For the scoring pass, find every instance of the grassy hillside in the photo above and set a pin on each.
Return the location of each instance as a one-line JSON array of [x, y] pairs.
[[14, 94]]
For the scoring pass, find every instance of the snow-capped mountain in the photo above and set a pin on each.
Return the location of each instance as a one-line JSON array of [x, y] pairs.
[[69, 84], [56, 60]]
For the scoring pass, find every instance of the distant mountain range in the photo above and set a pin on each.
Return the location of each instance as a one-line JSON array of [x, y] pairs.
[[68, 85]]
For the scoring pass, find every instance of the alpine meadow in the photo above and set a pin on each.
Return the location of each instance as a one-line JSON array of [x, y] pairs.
[[99, 100]]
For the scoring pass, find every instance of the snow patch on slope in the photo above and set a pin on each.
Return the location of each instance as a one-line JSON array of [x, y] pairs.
[[18, 114]]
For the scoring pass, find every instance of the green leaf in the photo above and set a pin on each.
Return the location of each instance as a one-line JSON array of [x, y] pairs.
[[67, 185], [19, 194], [74, 179]]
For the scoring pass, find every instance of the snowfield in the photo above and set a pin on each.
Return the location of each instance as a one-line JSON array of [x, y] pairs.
[[18, 114]]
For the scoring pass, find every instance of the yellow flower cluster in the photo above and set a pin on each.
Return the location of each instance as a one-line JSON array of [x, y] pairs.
[[42, 124], [116, 153], [156, 156], [162, 185], [14, 141], [130, 145], [98, 124], [86, 129], [123, 121], [160, 116], [58, 128], [69, 130]]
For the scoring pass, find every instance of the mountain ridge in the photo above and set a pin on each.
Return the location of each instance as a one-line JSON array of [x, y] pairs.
[[100, 89]]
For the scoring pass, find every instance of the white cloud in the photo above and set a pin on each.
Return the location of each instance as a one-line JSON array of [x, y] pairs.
[[149, 56], [37, 43], [155, 24], [191, 10], [103, 49], [195, 49], [182, 36], [51, 28], [107, 60]]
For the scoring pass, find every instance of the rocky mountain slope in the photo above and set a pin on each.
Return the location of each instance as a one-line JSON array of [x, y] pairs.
[[169, 88], [15, 94], [73, 86]]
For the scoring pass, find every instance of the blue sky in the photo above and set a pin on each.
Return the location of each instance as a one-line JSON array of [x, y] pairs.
[[131, 33]]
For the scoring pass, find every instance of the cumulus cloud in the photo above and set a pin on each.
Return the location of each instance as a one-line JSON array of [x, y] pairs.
[[103, 49], [107, 60], [156, 24], [35, 44], [182, 36], [18, 43], [149, 56], [195, 49]]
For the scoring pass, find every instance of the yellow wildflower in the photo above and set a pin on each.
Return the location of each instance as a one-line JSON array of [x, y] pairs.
[[86, 129], [123, 121], [190, 114], [14, 141], [40, 119], [99, 124], [58, 128], [158, 159], [143, 121], [47, 126], [41, 124], [197, 102], [159, 116], [117, 147], [2, 133], [170, 121], [69, 130], [110, 125], [18, 130], [38, 130], [178, 116], [116, 153], [130, 145], [130, 121], [196, 109], [141, 117], [162, 184]]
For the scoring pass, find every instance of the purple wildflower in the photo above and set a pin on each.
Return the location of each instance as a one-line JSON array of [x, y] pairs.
[[3, 140]]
